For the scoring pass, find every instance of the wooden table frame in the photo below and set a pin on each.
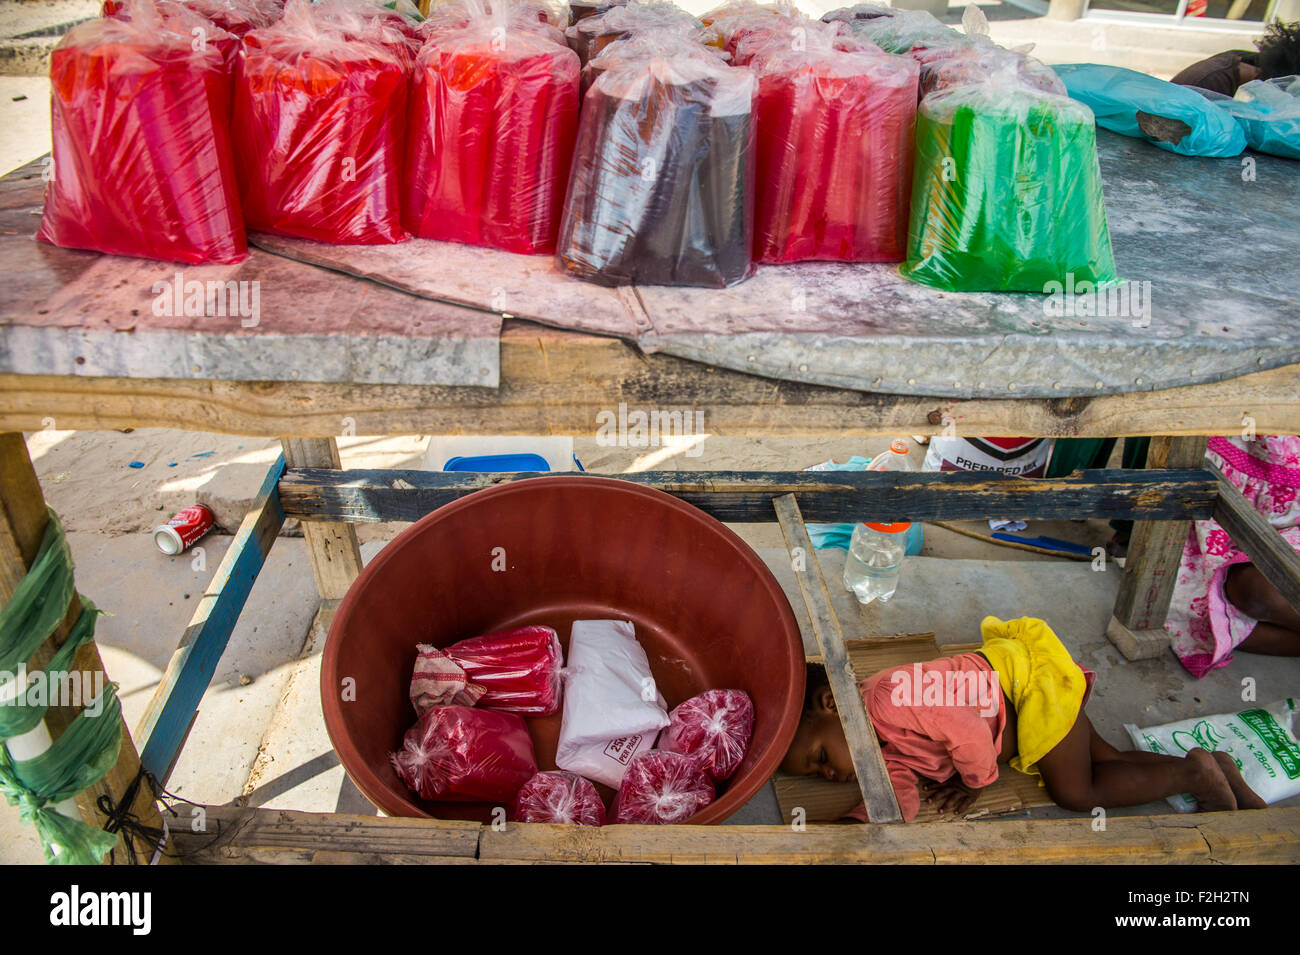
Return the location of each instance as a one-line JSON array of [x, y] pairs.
[[306, 483]]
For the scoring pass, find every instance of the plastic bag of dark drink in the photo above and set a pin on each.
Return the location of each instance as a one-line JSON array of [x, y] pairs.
[[661, 788], [560, 798], [318, 120], [142, 157], [661, 191], [464, 754], [834, 149], [494, 111]]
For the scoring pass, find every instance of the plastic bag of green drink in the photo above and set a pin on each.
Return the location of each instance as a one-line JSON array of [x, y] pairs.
[[1006, 195]]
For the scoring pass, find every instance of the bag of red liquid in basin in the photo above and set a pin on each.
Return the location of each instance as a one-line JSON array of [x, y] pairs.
[[833, 150], [559, 797], [461, 754], [494, 111], [141, 144], [662, 190], [662, 788], [514, 671], [714, 729], [318, 120]]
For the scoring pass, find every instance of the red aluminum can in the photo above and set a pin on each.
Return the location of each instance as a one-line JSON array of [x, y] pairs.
[[183, 529]]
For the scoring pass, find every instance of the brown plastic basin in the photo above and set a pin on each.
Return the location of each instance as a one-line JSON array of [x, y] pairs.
[[708, 612]]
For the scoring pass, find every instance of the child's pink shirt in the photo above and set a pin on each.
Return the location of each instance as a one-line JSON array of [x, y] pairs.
[[936, 726]]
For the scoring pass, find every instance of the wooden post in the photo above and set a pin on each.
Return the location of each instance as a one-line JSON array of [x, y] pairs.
[[1137, 627], [23, 517], [864, 747], [335, 554]]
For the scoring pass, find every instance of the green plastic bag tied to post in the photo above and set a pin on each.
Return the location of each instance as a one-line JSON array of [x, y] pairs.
[[1006, 194], [89, 747]]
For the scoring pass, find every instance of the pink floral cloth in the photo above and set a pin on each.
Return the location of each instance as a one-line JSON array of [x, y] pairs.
[[1205, 627]]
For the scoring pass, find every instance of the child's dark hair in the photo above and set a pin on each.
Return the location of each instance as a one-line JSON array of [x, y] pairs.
[[816, 682], [1279, 50]]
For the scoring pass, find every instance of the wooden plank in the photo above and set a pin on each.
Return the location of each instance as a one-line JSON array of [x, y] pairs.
[[235, 834], [864, 748], [745, 496], [1267, 835], [331, 545], [167, 718], [23, 518], [1268, 550], [1155, 549], [556, 382]]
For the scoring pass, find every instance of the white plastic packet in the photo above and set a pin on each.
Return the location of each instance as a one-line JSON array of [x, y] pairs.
[[612, 709], [1261, 742]]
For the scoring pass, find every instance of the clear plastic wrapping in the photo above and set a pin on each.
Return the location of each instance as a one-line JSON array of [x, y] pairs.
[[714, 729], [660, 789], [519, 670], [833, 151], [661, 191], [493, 115], [559, 798], [656, 18], [142, 155], [1269, 114], [905, 30], [318, 119], [1172, 117], [1007, 192], [464, 754], [234, 16]]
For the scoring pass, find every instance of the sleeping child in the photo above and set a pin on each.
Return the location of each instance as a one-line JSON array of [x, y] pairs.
[[945, 725]]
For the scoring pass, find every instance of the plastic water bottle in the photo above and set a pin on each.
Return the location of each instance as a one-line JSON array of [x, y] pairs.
[[875, 558]]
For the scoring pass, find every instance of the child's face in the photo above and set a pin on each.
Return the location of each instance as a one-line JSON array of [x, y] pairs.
[[819, 747]]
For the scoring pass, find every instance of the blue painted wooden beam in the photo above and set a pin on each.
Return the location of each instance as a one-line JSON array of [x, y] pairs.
[[171, 711]]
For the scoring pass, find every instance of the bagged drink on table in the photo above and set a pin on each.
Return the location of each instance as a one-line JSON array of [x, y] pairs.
[[714, 729], [1006, 195], [612, 709], [1172, 117], [833, 152], [662, 186], [493, 114], [1261, 741], [661, 789], [656, 18], [514, 671], [141, 144], [318, 119], [461, 754], [558, 797]]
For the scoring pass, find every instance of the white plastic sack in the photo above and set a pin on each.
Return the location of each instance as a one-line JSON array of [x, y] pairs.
[[612, 709], [1261, 742]]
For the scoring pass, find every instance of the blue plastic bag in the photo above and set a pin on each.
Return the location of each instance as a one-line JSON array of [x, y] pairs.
[[1126, 101], [1268, 112], [827, 536]]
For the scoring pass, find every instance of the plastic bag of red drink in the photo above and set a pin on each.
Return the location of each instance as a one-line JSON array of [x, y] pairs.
[[714, 729], [493, 114], [397, 29], [141, 143], [318, 120], [661, 788], [464, 754], [519, 670], [558, 797], [833, 150], [662, 190], [178, 17]]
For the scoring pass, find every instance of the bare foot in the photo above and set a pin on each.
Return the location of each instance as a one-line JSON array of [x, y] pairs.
[[1210, 784], [1246, 797]]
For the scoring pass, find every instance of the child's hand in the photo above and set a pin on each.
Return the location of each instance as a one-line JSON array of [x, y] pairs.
[[951, 795]]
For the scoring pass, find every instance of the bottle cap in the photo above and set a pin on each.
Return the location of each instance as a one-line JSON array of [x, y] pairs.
[[896, 528], [898, 446]]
